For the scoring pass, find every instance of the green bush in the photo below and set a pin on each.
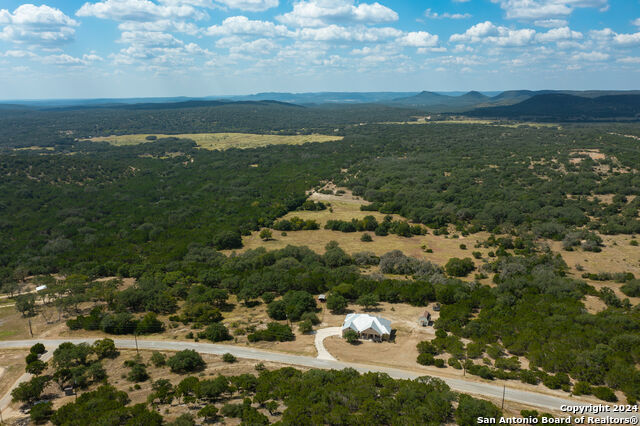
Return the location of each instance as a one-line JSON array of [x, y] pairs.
[[216, 332], [229, 358], [604, 393], [426, 359], [274, 332], [186, 361], [456, 267], [41, 412]]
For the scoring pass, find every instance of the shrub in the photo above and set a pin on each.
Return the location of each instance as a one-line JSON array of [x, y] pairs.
[[216, 332], [456, 267], [274, 332], [138, 373], [37, 349], [186, 361], [227, 240], [582, 388], [336, 303], [438, 362], [366, 238], [150, 324], [426, 359], [229, 358], [604, 393], [305, 326], [158, 359], [105, 348], [41, 412], [351, 336], [454, 363]]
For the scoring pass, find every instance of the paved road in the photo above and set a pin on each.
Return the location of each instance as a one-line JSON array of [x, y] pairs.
[[538, 400], [322, 334]]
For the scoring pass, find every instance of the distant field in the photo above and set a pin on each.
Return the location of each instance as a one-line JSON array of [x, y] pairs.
[[423, 120], [221, 141]]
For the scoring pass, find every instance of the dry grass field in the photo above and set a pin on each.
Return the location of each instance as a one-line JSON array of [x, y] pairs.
[[221, 141], [347, 207]]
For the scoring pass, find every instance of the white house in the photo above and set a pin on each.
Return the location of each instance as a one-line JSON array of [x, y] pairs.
[[368, 327]]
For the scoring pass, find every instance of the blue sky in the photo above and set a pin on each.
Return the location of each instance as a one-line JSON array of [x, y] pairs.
[[131, 48]]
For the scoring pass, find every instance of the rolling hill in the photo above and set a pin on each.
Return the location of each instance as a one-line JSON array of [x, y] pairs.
[[565, 107]]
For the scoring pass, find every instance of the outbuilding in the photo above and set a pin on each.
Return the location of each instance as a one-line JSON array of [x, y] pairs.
[[425, 319]]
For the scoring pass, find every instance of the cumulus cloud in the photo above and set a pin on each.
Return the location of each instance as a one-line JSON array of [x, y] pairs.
[[627, 39], [340, 33], [636, 22], [419, 39], [590, 56], [487, 32], [250, 5], [317, 13], [558, 34], [241, 25], [138, 10], [551, 23], [629, 60], [541, 9], [68, 60], [37, 25], [434, 15]]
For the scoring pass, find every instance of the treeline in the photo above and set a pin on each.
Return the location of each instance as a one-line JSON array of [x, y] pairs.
[[370, 223]]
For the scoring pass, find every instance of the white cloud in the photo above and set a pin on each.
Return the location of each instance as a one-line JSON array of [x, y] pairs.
[[150, 39], [551, 23], [558, 34], [19, 54], [337, 33], [419, 39], [68, 60], [542, 9], [434, 15], [163, 25], [250, 5], [260, 46], [37, 25], [629, 60], [317, 13], [636, 22], [241, 25], [138, 10], [590, 56], [627, 39], [487, 32]]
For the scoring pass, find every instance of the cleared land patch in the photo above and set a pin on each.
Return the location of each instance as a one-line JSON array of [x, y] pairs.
[[220, 141]]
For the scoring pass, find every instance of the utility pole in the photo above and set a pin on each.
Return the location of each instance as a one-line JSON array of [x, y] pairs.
[[30, 330], [504, 389]]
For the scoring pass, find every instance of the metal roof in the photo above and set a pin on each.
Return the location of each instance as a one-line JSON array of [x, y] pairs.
[[362, 322]]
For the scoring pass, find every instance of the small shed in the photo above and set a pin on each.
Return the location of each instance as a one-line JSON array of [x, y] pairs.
[[425, 319], [436, 307], [41, 287], [322, 298]]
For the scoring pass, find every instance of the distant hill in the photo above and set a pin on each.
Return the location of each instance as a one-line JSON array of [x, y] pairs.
[[565, 107], [172, 105], [436, 102]]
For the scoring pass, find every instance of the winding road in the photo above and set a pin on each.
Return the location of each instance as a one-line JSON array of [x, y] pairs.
[[538, 400]]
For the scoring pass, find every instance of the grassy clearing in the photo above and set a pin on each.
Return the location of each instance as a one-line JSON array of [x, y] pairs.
[[424, 120], [347, 207], [221, 141]]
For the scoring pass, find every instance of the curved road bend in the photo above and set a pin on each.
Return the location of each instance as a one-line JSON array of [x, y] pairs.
[[542, 401]]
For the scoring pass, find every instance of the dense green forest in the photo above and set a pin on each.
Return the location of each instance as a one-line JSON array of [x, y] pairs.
[[94, 208], [162, 211], [26, 127]]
